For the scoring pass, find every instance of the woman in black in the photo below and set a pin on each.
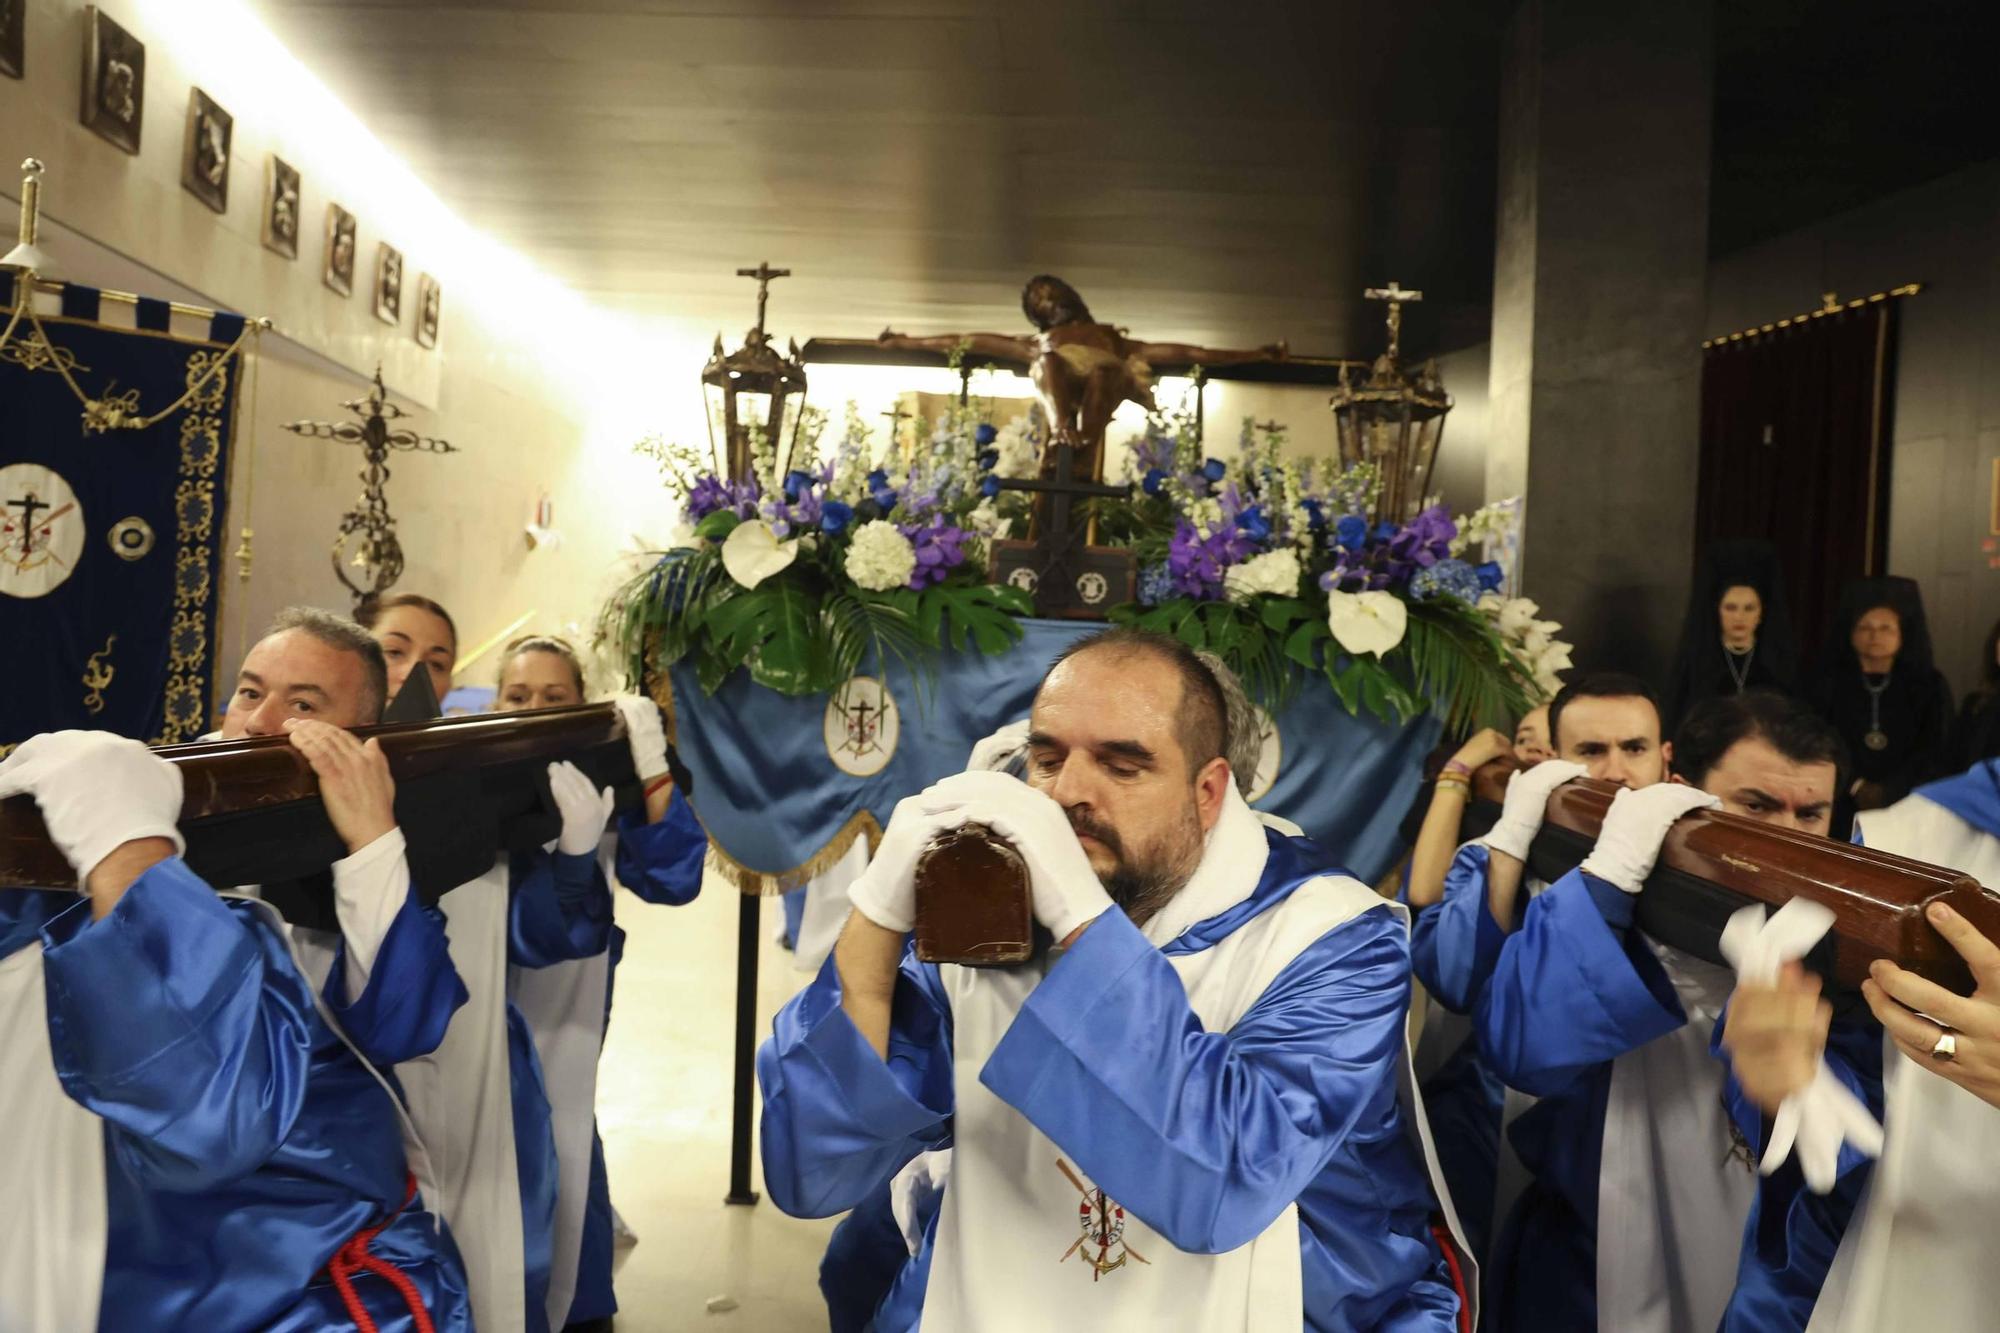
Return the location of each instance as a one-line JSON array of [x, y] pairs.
[[1977, 735], [1876, 683], [1737, 635]]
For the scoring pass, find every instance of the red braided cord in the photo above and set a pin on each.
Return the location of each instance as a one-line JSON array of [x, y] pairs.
[[354, 1257], [1442, 1235]]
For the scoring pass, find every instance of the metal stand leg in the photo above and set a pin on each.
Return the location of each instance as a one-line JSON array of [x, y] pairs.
[[749, 917]]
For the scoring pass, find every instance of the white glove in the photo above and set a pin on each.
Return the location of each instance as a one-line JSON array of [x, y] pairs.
[[1527, 800], [1825, 1113], [584, 809], [886, 892], [646, 732], [97, 792], [1634, 828], [997, 751], [1067, 892]]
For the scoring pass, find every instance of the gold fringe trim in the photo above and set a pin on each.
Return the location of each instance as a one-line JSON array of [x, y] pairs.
[[758, 883]]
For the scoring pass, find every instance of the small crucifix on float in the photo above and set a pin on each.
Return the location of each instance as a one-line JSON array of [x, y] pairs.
[[366, 539]]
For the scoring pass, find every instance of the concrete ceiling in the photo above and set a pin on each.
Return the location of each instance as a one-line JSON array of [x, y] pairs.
[[1233, 173]]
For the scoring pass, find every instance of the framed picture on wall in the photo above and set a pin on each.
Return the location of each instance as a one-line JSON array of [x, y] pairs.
[[388, 284], [205, 154], [281, 207], [114, 80], [340, 249], [13, 29], [430, 304]]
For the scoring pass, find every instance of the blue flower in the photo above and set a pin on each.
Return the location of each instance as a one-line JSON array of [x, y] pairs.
[[1446, 578], [797, 482], [1214, 469], [834, 517], [1315, 516], [1386, 531], [1252, 522], [985, 434], [1351, 532], [1155, 477], [1156, 584], [1490, 576], [988, 459], [990, 487], [880, 490]]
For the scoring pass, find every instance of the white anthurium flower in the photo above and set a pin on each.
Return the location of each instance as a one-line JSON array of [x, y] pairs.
[[1367, 622], [753, 553]]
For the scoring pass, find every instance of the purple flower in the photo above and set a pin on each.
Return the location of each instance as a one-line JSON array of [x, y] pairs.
[[1196, 564], [940, 548], [709, 494]]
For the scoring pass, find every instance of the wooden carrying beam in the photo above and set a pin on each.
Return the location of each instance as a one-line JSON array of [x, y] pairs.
[[1713, 864], [467, 788]]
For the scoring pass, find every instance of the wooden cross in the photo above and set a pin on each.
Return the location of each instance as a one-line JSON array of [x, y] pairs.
[[896, 417], [1395, 296], [1065, 576], [763, 273]]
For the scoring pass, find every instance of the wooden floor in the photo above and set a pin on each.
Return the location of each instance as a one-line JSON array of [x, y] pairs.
[[663, 1108]]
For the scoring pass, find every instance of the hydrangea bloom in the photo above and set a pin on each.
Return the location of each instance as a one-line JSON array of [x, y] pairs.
[[880, 557]]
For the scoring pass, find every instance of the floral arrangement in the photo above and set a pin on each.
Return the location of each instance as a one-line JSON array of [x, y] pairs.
[[1272, 564], [800, 572]]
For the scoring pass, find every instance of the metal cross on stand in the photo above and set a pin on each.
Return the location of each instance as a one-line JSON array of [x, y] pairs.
[[1065, 576], [1395, 296], [368, 529], [763, 273]]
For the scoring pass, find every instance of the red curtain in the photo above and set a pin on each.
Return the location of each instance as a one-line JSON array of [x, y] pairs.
[[1795, 450]]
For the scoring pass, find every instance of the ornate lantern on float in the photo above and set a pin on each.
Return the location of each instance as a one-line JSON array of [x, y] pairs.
[[753, 389], [1391, 419]]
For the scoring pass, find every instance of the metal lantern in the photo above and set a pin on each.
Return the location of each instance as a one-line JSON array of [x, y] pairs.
[[1391, 419], [753, 389]]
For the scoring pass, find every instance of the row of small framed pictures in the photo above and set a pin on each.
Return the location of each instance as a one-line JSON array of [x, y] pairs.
[[114, 106]]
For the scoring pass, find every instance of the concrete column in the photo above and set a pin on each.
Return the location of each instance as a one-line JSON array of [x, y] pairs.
[[1598, 300]]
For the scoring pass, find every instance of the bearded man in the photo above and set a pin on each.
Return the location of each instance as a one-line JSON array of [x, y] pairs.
[[1185, 1113]]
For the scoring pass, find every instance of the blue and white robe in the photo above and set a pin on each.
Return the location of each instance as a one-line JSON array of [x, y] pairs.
[[1641, 1190], [560, 983], [239, 1141], [1918, 1250], [1222, 1087]]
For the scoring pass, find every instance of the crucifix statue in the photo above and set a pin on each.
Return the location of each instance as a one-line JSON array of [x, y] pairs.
[[368, 527], [1395, 296], [1082, 369]]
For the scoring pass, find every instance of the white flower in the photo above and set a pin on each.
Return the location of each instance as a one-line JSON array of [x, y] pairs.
[[753, 553], [985, 520], [1366, 622], [1274, 574], [1016, 447], [880, 557], [1511, 617]]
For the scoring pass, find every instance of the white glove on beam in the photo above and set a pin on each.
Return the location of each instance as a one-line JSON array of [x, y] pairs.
[[646, 731], [1825, 1113], [1525, 803], [997, 751], [97, 792], [585, 810], [886, 892], [1636, 825], [1067, 892]]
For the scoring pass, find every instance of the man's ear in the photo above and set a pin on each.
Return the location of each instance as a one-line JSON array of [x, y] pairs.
[[1667, 754], [1211, 788]]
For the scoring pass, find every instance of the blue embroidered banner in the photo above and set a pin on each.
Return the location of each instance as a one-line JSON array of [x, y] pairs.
[[110, 540], [778, 778]]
